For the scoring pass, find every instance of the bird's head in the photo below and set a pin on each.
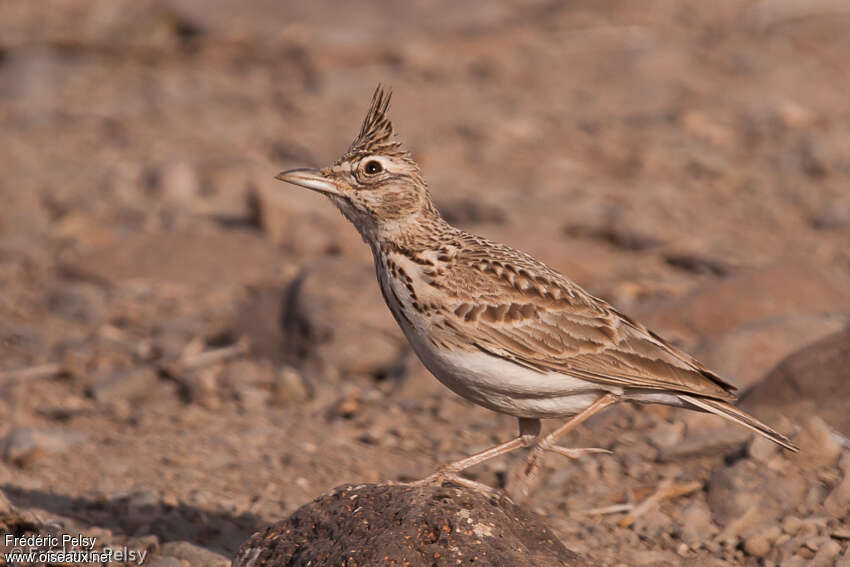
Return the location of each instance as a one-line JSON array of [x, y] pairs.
[[376, 184]]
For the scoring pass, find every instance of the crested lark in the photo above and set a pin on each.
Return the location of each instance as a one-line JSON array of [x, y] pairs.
[[495, 325]]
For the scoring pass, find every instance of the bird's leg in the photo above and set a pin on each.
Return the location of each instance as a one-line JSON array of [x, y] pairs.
[[529, 432], [521, 481]]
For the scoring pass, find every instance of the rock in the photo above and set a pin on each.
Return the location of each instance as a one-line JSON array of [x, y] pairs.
[[252, 398], [794, 561], [760, 543], [810, 381], [178, 182], [289, 388], [80, 302], [821, 444], [695, 522], [838, 501], [831, 217], [335, 315], [385, 524], [259, 317], [125, 385], [716, 438], [5, 505], [215, 257], [791, 524], [757, 545], [826, 553], [24, 445], [747, 354], [194, 555], [750, 487], [762, 449], [777, 291]]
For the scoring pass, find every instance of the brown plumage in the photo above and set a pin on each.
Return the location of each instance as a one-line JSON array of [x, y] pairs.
[[494, 324]]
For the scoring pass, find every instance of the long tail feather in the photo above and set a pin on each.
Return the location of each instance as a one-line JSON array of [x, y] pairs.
[[735, 415]]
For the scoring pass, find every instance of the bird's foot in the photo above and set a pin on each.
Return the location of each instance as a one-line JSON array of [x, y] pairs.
[[447, 476], [525, 477]]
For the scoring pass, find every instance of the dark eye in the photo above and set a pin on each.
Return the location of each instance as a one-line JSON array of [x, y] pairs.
[[373, 167]]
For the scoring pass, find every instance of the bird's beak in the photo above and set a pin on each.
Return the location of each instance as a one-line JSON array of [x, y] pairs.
[[309, 178]]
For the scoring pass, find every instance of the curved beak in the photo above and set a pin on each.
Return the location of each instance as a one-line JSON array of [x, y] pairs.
[[309, 178]]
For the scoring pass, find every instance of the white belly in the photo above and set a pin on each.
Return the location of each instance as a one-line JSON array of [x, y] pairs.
[[503, 386], [487, 380]]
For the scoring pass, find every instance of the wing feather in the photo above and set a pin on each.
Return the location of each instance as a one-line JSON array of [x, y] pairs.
[[539, 319]]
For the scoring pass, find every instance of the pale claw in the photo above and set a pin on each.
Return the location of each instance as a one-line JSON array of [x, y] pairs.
[[576, 453]]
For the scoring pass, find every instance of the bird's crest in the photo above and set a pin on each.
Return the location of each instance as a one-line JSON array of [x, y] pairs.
[[376, 134]]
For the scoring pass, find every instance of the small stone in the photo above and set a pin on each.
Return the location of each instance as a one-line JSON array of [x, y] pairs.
[[757, 545], [349, 405], [815, 543], [696, 522], [841, 533], [760, 544], [831, 217], [793, 561], [844, 560], [666, 435], [791, 524], [194, 555], [148, 542], [762, 449], [821, 443], [24, 445], [178, 181], [289, 387], [125, 385], [5, 505], [838, 501], [252, 398], [826, 553], [79, 302]]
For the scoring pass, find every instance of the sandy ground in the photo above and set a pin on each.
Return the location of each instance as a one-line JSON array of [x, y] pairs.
[[211, 348]]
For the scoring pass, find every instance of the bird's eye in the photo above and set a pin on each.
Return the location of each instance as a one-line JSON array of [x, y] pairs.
[[373, 167]]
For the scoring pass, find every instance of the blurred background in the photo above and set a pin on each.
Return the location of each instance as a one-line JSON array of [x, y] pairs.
[[190, 349]]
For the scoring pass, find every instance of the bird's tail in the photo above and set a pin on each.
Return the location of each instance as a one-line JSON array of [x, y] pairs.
[[730, 412]]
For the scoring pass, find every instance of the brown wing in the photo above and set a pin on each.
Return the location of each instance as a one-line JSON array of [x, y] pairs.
[[517, 308]]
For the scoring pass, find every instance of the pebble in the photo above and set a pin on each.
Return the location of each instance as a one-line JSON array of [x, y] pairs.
[[125, 385], [696, 522], [252, 398], [793, 561], [791, 524], [760, 544], [838, 501], [290, 388], [826, 553], [757, 545], [5, 505], [762, 449], [24, 445], [194, 555], [822, 444]]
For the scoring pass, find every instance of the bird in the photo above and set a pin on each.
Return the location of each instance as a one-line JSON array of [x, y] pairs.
[[497, 326]]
